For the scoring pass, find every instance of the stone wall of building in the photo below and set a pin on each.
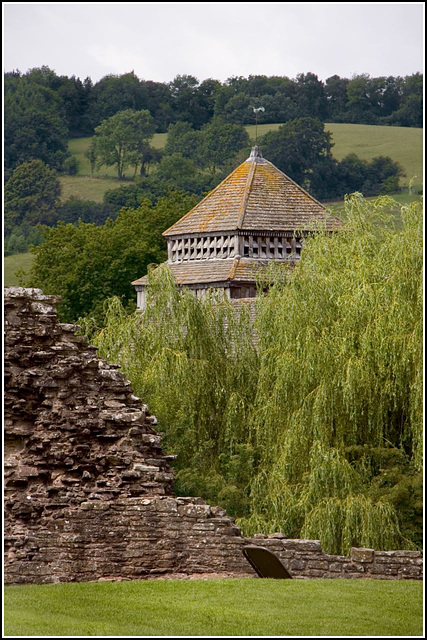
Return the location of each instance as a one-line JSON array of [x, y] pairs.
[[88, 490]]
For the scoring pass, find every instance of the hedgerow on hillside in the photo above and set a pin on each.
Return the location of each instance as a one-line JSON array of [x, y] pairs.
[[315, 429]]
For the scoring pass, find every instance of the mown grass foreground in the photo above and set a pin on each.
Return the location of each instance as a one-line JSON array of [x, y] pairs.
[[227, 607]]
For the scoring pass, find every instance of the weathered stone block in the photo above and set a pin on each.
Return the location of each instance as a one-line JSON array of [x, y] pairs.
[[409, 571], [362, 554], [302, 545], [384, 569], [297, 565]]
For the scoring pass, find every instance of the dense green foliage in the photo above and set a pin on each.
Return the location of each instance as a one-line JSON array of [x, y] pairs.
[[301, 148], [361, 99], [220, 143], [31, 195], [32, 198], [205, 126], [75, 209], [380, 175], [35, 125], [21, 237], [216, 608], [315, 430], [211, 148], [87, 263]]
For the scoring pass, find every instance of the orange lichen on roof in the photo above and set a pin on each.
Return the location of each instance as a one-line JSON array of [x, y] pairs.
[[213, 212], [255, 196]]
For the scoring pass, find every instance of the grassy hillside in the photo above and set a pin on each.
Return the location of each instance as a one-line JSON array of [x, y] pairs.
[[212, 608], [78, 146], [14, 263], [88, 188], [402, 144]]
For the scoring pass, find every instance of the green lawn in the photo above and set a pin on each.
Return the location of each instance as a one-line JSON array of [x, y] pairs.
[[230, 607], [12, 264]]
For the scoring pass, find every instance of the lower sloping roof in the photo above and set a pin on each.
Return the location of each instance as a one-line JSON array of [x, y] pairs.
[[210, 271]]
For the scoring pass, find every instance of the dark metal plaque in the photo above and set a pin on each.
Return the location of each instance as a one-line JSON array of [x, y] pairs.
[[266, 563]]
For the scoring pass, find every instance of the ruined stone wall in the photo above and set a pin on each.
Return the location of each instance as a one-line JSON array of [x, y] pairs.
[[85, 477], [88, 490], [306, 559]]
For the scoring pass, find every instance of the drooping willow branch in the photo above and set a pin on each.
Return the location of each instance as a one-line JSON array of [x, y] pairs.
[[337, 366]]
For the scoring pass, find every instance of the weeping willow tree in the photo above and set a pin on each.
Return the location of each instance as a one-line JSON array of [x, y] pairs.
[[315, 430], [193, 361], [340, 382]]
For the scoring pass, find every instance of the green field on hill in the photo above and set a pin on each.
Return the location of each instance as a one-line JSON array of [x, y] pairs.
[[212, 608], [87, 188], [402, 144], [12, 264], [78, 146]]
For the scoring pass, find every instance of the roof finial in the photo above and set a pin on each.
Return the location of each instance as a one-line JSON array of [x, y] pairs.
[[255, 154]]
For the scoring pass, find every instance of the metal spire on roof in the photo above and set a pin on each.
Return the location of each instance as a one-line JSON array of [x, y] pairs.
[[256, 111]]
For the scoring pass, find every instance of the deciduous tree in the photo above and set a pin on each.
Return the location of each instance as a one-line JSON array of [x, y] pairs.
[[220, 143], [35, 124], [87, 263], [298, 148], [121, 139]]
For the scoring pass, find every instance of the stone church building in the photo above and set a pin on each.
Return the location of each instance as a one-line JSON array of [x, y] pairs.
[[256, 215]]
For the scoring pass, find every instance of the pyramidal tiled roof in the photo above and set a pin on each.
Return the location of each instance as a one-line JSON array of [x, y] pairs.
[[256, 196]]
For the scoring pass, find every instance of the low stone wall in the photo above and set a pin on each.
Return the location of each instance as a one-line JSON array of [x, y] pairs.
[[88, 490], [305, 559]]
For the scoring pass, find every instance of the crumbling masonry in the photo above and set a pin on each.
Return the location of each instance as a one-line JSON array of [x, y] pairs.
[[88, 490]]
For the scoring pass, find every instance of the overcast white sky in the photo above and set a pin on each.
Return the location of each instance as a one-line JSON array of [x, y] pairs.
[[214, 40]]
